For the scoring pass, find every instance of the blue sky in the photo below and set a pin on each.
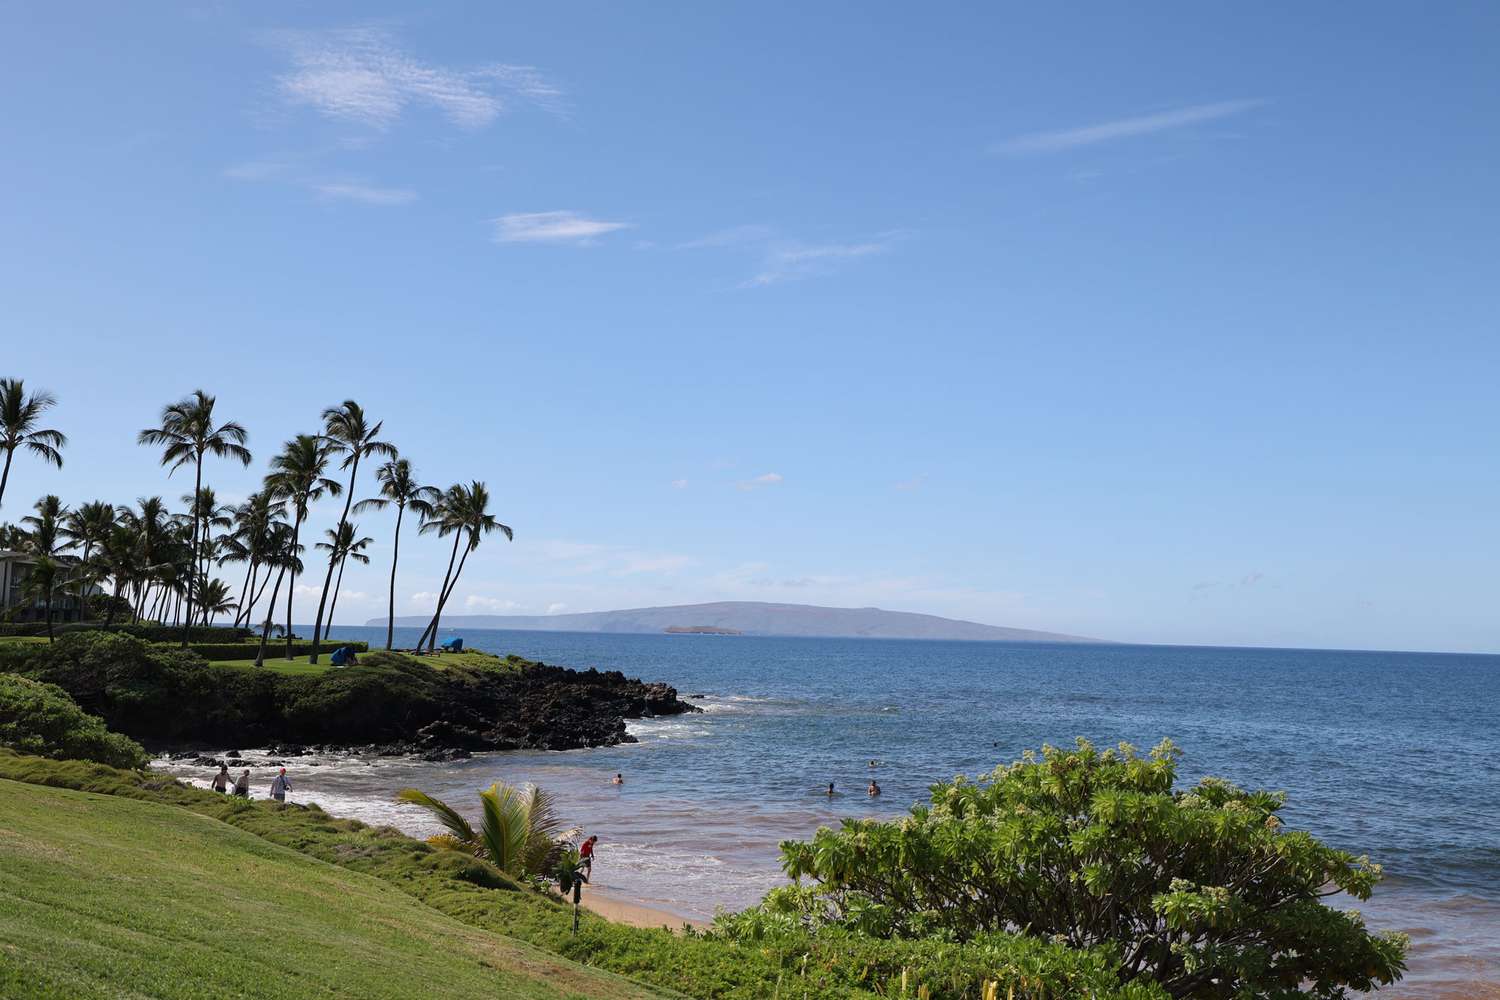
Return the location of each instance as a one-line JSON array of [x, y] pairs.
[[1174, 324]]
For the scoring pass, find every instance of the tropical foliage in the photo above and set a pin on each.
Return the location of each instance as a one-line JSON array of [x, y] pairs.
[[38, 718], [20, 415], [519, 832], [1201, 890], [145, 562]]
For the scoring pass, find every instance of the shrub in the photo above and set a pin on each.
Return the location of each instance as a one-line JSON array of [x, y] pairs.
[[1201, 890], [150, 633], [38, 718]]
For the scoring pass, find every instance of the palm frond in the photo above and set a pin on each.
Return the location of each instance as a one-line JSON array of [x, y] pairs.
[[456, 825]]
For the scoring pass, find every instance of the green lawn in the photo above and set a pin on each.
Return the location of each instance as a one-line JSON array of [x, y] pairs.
[[102, 896], [278, 663], [23, 638]]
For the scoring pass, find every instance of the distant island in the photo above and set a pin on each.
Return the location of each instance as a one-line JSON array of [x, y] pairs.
[[700, 630], [754, 618]]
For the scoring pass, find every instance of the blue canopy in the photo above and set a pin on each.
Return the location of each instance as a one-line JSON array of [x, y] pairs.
[[454, 645], [340, 656]]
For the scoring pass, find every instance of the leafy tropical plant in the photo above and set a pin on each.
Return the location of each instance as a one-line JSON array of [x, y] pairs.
[[519, 831], [344, 546], [185, 435], [1200, 890], [40, 584], [462, 511], [40, 718], [398, 486], [296, 477], [347, 432], [19, 415]]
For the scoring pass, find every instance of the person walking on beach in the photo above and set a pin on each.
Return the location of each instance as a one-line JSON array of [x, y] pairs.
[[586, 856], [242, 784], [280, 786], [221, 780]]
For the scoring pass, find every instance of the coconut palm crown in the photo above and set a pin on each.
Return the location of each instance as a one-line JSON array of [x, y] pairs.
[[19, 415]]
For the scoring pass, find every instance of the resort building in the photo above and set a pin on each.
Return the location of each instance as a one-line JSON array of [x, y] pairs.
[[15, 567]]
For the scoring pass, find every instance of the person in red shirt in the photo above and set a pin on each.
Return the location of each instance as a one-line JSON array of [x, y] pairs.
[[586, 856]]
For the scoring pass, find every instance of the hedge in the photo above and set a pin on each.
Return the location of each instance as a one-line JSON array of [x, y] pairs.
[[274, 647], [150, 633], [38, 718]]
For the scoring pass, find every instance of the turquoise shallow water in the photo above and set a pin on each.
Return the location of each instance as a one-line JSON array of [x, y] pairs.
[[1392, 754]]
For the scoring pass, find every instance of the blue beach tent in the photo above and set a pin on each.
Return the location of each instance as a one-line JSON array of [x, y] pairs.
[[340, 656], [454, 645]]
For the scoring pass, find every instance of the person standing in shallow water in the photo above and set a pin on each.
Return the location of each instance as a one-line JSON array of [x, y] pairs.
[[242, 784], [280, 786], [221, 780], [586, 857], [831, 792]]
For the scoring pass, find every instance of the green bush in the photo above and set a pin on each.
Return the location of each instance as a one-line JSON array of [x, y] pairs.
[[38, 718], [1200, 890]]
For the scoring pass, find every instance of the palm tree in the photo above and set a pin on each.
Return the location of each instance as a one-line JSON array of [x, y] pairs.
[[215, 599], [296, 477], [86, 528], [19, 414], [40, 584], [519, 831], [463, 512], [186, 434], [251, 542], [120, 558], [349, 434], [210, 514], [398, 485], [45, 527], [343, 546]]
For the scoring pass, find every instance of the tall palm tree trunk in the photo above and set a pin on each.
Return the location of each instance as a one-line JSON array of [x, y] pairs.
[[458, 535], [333, 557], [296, 533], [265, 634], [47, 609], [390, 618], [5, 475], [244, 592], [187, 630], [447, 593], [337, 586]]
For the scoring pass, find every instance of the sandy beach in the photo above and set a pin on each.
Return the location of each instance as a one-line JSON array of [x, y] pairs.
[[626, 911]]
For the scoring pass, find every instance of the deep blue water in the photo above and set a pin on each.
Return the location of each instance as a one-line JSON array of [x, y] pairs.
[[1392, 754]]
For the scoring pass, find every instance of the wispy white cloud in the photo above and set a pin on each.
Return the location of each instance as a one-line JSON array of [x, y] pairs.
[[731, 237], [369, 194], [489, 605], [557, 607], [1124, 128], [679, 484], [360, 75], [791, 261], [766, 479], [551, 227]]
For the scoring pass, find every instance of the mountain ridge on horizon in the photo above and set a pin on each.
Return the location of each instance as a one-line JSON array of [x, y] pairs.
[[754, 618]]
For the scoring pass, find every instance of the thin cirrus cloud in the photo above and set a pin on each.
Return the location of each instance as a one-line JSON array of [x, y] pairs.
[[552, 227], [1124, 128], [368, 194], [765, 479], [793, 261], [361, 76]]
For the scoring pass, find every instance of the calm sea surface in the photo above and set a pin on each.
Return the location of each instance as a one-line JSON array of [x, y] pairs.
[[1392, 754]]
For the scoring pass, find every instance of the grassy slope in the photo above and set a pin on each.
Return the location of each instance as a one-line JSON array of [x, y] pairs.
[[102, 896]]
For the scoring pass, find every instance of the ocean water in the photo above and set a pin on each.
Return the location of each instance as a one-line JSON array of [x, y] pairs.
[[1395, 755]]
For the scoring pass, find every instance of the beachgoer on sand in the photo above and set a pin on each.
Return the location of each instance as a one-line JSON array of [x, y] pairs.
[[242, 784], [222, 780], [586, 856], [280, 786]]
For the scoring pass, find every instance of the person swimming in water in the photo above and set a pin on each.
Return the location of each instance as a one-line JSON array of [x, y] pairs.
[[618, 779], [831, 793], [873, 790]]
